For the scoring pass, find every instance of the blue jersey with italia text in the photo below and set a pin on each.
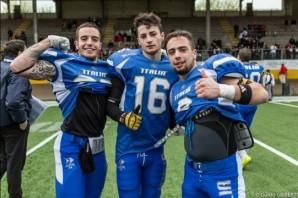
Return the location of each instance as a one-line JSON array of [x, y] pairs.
[[186, 104], [147, 83], [253, 71], [74, 73]]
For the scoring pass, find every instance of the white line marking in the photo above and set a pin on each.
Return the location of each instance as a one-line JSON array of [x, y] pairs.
[[42, 143], [288, 105], [273, 150], [52, 103], [50, 138], [285, 99], [45, 127]]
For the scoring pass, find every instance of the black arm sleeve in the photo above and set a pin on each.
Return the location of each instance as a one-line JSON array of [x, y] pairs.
[[114, 99]]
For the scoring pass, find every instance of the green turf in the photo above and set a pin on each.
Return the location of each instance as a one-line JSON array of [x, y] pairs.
[[274, 125], [277, 126]]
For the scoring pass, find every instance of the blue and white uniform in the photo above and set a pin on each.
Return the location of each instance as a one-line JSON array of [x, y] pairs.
[[81, 87], [253, 71], [140, 167], [211, 178]]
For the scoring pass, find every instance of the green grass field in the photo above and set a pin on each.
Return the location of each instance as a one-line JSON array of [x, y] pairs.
[[267, 176]]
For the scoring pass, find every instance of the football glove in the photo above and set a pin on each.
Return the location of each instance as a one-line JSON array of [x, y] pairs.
[[59, 42], [131, 119]]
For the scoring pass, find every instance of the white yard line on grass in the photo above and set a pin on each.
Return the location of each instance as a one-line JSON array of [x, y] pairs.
[[280, 154], [288, 105], [42, 143], [48, 139], [51, 103], [273, 150]]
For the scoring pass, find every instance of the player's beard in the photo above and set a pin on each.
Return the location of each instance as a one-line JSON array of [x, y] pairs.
[[183, 71], [186, 69]]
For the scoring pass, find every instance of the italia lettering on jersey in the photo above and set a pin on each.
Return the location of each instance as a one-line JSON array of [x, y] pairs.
[[74, 73], [147, 83], [186, 104]]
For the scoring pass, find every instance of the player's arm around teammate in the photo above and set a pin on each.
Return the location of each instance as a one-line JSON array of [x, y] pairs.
[[210, 117]]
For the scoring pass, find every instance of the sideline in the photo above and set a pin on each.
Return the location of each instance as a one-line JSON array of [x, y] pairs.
[[41, 143], [48, 139], [278, 100], [277, 152], [284, 104], [285, 99]]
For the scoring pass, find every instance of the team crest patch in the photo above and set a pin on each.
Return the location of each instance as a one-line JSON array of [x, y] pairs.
[[121, 165], [69, 163]]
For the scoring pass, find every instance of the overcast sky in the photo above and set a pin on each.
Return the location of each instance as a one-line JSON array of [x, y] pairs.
[[257, 4], [266, 4]]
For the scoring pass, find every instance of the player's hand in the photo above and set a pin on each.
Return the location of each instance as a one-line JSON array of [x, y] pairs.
[[23, 125], [59, 42], [131, 119], [206, 86], [179, 130]]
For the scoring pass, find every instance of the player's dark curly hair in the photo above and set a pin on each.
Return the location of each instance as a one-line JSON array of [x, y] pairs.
[[147, 19]]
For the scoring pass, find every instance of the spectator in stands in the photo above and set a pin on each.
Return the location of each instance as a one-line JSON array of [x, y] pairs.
[[81, 85], [129, 35], [64, 26], [273, 52], [201, 44], [243, 36], [268, 82], [283, 72], [23, 37], [14, 119], [9, 34], [236, 30]]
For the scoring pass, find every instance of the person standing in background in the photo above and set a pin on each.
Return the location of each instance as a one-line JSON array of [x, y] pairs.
[[9, 34], [268, 82], [253, 71], [14, 120], [283, 72]]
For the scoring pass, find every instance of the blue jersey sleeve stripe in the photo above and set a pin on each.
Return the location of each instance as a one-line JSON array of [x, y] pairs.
[[119, 68], [223, 61]]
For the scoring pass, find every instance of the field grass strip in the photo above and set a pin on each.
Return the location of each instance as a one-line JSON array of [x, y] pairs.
[[277, 152], [48, 139]]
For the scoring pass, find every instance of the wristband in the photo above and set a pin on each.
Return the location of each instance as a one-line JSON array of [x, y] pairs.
[[227, 91]]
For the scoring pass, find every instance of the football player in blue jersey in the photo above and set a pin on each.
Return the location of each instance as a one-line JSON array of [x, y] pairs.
[[253, 71], [214, 128], [81, 84], [146, 76]]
